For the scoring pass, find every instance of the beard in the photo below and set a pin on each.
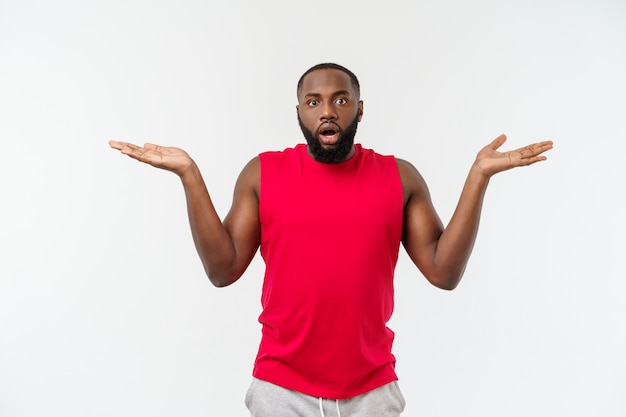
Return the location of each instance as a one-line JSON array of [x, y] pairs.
[[336, 154]]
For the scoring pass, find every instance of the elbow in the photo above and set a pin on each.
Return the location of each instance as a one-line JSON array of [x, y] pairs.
[[221, 279], [446, 285], [446, 282], [219, 283]]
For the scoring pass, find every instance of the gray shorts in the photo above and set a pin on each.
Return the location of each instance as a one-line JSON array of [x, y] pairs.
[[265, 399]]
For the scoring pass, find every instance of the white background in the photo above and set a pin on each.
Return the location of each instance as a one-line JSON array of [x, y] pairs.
[[104, 308]]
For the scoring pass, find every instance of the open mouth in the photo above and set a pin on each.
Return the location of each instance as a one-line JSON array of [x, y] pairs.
[[329, 136]]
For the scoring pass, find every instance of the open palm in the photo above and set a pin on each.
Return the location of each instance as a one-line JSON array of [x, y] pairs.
[[165, 157], [490, 161]]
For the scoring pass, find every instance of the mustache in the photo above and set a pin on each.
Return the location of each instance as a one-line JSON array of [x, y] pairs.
[[334, 155]]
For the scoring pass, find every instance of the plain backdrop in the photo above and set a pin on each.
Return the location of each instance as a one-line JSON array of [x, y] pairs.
[[104, 306]]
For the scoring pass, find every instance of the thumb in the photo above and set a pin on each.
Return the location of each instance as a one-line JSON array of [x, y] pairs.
[[497, 142], [151, 146]]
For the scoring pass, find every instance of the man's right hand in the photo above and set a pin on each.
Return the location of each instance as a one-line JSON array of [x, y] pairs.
[[169, 158]]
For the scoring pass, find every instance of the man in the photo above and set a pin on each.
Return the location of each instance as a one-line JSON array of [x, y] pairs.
[[329, 217]]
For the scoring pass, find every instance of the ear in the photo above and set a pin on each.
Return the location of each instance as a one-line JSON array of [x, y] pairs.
[[360, 111]]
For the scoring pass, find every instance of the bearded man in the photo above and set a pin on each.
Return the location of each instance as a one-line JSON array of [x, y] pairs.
[[329, 217]]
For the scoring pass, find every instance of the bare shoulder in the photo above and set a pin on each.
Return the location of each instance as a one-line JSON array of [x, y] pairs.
[[252, 168], [413, 184], [250, 177], [406, 169], [243, 218]]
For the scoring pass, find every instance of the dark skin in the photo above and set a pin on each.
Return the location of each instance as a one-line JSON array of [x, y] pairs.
[[327, 99]]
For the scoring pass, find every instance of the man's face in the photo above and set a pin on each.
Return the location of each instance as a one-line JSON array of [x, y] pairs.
[[329, 111]]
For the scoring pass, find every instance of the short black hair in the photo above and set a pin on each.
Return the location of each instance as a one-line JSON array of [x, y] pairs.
[[330, 65]]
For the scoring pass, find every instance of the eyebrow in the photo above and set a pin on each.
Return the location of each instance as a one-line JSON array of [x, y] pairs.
[[336, 93]]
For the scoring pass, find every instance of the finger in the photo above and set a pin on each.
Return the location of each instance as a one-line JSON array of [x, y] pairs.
[[529, 154], [152, 147], [116, 144], [139, 153], [531, 160], [535, 149], [544, 146], [124, 147], [497, 142], [132, 149]]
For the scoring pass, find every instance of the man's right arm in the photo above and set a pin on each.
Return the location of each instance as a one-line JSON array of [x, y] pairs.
[[225, 248]]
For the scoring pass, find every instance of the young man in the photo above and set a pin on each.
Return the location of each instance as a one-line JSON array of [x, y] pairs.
[[329, 217]]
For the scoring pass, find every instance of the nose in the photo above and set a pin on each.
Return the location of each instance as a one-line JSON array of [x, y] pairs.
[[328, 111]]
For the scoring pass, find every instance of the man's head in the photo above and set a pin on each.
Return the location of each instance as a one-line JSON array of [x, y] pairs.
[[329, 65], [329, 110]]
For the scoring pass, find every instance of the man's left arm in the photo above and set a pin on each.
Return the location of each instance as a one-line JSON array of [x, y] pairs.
[[441, 253]]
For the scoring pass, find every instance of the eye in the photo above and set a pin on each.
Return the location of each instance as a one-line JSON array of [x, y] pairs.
[[341, 101], [312, 103]]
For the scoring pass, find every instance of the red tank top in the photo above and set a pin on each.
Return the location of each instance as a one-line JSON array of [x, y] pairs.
[[330, 235]]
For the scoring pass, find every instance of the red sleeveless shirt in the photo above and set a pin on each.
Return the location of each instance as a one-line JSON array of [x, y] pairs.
[[330, 235]]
